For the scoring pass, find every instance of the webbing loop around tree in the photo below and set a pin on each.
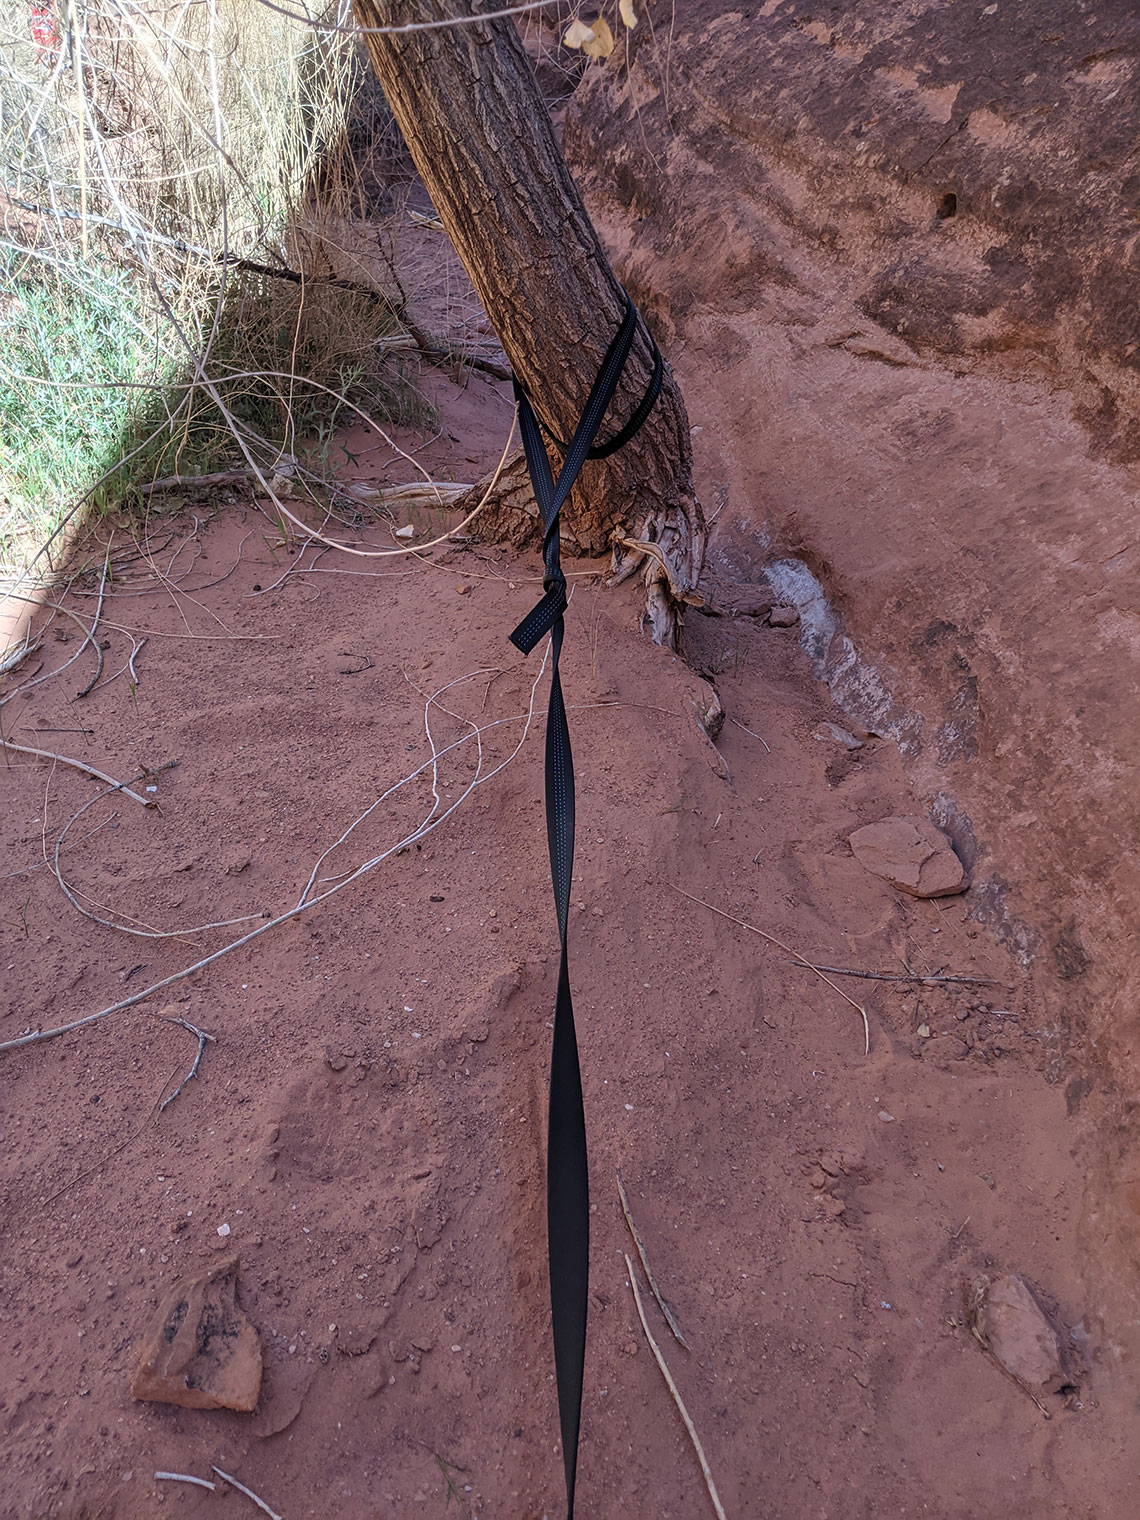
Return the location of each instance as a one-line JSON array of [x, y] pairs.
[[567, 1174]]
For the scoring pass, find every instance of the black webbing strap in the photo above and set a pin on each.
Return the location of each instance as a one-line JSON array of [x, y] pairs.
[[567, 1178]]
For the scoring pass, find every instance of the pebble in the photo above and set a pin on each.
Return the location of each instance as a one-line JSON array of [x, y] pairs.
[[784, 617]]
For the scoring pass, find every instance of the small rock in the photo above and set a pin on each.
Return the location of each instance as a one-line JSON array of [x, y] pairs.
[[407, 531], [333, 1058], [912, 855], [199, 1350], [784, 617], [924, 1031], [463, 588], [885, 1117], [1008, 1320], [831, 732]]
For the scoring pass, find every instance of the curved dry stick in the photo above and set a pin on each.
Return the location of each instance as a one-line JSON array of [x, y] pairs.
[[91, 639], [202, 1038], [654, 1289], [172, 1477], [248, 1492], [36, 1036], [799, 959]]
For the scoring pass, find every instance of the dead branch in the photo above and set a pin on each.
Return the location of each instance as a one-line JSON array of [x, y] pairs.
[[89, 770], [203, 1038], [677, 1399], [656, 1291], [799, 960], [248, 1492]]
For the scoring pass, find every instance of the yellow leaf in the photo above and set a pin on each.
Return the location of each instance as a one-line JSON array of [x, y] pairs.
[[628, 13], [578, 33], [601, 44]]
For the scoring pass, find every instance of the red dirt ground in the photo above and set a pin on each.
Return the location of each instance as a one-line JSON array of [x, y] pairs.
[[369, 1122]]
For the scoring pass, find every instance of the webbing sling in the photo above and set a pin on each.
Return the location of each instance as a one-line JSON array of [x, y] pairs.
[[567, 1179]]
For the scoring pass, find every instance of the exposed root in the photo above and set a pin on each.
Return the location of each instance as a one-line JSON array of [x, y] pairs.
[[668, 548]]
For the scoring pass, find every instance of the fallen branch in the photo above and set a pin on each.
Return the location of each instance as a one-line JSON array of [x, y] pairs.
[[425, 827], [912, 976], [677, 1399], [91, 639], [187, 1478], [656, 1291], [203, 1038], [82, 765], [248, 1492], [798, 958], [750, 733]]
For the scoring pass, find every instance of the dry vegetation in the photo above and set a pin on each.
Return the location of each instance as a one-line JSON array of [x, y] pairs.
[[166, 170]]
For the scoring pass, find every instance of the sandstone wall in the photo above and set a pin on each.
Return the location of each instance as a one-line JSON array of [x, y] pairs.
[[895, 254]]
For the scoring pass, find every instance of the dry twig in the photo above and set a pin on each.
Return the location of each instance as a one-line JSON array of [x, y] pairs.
[[656, 1291], [203, 1038], [912, 976], [82, 765], [186, 1478], [425, 827], [248, 1492], [750, 733], [677, 1399], [799, 960]]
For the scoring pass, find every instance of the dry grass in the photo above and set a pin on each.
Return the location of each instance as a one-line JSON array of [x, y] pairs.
[[151, 153]]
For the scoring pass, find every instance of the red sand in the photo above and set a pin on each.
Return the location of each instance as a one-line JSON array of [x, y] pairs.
[[369, 1122]]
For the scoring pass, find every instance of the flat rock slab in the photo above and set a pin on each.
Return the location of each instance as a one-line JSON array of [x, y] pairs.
[[1010, 1323], [912, 855], [200, 1350]]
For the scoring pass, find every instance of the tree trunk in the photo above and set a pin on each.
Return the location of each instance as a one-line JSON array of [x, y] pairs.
[[478, 130]]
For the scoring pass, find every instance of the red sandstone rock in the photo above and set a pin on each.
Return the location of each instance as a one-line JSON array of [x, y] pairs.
[[200, 1350], [1011, 1324], [912, 855]]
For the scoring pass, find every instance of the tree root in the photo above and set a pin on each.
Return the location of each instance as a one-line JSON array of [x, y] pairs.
[[667, 549]]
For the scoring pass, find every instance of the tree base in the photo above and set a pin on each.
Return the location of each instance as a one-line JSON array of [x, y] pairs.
[[667, 547]]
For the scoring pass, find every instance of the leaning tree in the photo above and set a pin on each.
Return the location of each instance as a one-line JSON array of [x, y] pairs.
[[470, 110]]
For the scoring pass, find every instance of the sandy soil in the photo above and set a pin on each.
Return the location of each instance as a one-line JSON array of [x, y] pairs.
[[369, 1122]]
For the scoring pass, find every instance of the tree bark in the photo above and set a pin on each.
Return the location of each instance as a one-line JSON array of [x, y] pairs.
[[479, 133]]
